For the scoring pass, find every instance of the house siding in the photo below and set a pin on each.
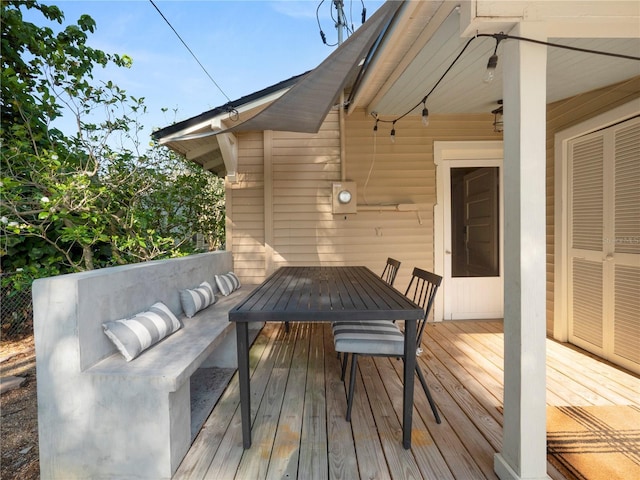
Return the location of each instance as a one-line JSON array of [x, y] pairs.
[[245, 210], [297, 226], [560, 116], [290, 221]]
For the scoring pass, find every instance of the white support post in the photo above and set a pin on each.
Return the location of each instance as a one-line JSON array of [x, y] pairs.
[[523, 454], [228, 148]]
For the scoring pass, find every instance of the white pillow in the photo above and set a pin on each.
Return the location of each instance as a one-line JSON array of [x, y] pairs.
[[134, 335], [227, 283], [194, 300]]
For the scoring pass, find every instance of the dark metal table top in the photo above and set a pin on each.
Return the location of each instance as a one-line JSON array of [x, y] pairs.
[[324, 294]]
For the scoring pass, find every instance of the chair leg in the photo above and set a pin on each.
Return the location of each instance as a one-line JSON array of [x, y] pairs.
[[352, 385], [286, 327], [344, 362], [428, 393]]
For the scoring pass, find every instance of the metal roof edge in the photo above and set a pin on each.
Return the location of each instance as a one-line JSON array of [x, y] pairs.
[[223, 109]]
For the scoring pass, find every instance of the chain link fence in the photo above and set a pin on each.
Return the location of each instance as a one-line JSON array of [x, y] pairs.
[[16, 309]]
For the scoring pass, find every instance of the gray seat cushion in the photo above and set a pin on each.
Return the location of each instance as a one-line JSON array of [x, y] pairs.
[[368, 337]]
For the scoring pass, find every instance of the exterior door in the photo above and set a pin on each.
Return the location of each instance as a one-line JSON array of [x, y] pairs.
[[469, 231], [604, 243], [476, 254]]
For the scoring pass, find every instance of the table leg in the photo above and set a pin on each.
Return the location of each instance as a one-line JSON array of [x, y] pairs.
[[242, 336], [409, 375]]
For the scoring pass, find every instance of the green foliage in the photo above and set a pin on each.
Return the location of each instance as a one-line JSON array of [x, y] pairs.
[[94, 198]]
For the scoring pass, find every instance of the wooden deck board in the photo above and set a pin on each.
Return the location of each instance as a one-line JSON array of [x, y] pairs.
[[313, 449], [341, 449], [299, 403]]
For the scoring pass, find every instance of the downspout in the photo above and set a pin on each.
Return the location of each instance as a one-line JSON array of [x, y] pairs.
[[343, 140]]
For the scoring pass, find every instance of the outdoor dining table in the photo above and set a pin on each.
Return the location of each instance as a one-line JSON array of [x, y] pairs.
[[324, 294]]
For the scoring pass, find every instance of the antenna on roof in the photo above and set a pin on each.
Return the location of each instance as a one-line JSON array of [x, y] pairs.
[[340, 20], [340, 23]]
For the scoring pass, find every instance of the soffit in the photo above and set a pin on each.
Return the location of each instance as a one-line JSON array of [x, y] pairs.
[[420, 65]]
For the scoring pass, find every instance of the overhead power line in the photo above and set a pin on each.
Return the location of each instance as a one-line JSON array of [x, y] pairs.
[[190, 51]]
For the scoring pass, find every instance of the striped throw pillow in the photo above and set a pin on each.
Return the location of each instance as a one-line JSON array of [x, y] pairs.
[[194, 300], [134, 335], [227, 283]]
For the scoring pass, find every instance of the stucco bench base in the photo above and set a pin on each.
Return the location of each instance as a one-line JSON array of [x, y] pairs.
[[100, 417], [143, 418]]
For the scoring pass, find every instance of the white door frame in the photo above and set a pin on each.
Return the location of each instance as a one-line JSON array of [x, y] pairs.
[[456, 154], [561, 228]]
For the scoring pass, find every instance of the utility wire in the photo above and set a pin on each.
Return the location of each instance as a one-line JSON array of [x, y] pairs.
[[190, 51]]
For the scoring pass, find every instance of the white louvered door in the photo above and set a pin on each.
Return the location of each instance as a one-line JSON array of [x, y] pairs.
[[604, 243]]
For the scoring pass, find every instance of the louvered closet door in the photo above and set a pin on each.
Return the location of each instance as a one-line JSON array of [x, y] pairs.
[[604, 240]]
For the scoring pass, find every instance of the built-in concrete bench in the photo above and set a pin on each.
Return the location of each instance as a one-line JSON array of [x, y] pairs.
[[102, 417]]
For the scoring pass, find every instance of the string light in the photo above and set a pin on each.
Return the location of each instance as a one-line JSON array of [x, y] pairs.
[[393, 132], [493, 62], [491, 66], [425, 114]]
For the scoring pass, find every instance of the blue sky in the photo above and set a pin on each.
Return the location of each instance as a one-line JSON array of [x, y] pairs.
[[244, 45]]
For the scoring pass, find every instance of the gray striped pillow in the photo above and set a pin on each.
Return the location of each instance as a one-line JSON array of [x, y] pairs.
[[196, 299], [134, 335], [227, 283]]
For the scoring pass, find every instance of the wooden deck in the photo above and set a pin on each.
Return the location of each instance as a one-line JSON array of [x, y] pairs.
[[298, 406]]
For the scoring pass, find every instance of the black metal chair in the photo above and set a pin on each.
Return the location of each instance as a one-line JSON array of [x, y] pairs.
[[386, 339], [390, 270], [388, 275]]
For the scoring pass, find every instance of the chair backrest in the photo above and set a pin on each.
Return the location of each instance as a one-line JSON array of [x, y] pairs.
[[422, 290], [390, 271]]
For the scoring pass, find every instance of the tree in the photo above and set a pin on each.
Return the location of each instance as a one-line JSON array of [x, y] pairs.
[[93, 198]]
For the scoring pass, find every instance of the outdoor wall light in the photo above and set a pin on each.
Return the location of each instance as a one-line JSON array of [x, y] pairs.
[[498, 124]]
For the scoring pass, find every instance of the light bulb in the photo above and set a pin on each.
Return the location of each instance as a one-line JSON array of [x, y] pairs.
[[425, 117], [491, 69], [393, 135]]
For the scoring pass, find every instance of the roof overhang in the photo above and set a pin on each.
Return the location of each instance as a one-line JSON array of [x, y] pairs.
[[199, 138], [299, 106], [429, 35]]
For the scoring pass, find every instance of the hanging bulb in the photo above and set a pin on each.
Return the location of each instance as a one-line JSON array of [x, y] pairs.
[[375, 127], [491, 68], [425, 116], [393, 133]]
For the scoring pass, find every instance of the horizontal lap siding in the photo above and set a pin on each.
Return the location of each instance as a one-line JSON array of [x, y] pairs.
[[402, 172], [305, 232], [303, 169], [245, 210], [305, 166]]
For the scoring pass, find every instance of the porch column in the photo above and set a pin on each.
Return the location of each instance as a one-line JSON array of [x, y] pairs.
[[523, 454]]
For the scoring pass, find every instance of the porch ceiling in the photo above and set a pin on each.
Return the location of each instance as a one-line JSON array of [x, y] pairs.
[[403, 75]]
